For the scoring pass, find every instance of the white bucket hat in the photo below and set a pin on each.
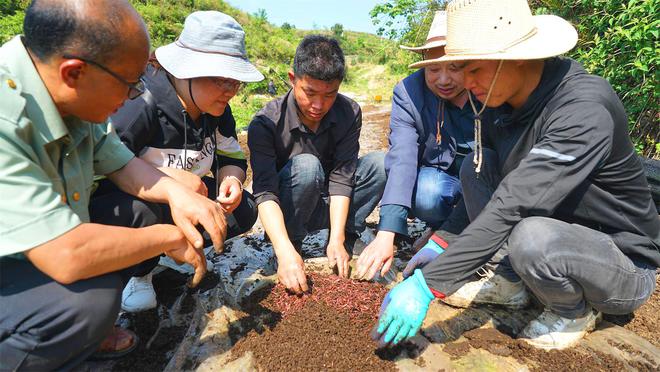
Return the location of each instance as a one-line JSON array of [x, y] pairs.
[[503, 30], [437, 36], [211, 44]]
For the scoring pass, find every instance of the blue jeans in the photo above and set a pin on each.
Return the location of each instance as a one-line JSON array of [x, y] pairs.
[[570, 268], [304, 194], [435, 195]]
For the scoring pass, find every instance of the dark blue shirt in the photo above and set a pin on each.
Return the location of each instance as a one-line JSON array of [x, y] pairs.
[[413, 144]]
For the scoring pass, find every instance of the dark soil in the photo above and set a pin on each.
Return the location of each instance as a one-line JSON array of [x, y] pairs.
[[311, 333], [170, 286], [645, 322], [498, 343]]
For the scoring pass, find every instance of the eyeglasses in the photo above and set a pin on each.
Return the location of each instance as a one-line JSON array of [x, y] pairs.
[[229, 85], [134, 89]]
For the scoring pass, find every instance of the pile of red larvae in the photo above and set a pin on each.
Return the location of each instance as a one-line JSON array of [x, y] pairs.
[[350, 297]]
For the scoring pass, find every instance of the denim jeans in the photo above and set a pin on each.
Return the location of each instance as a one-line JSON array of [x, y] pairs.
[[304, 194], [570, 268], [436, 193]]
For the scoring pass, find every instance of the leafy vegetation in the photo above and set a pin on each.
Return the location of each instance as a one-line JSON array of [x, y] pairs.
[[618, 41]]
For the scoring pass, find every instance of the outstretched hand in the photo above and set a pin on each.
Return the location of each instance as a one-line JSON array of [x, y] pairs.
[[403, 310]]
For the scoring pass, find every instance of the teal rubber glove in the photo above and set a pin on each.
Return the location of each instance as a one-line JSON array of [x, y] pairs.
[[403, 310]]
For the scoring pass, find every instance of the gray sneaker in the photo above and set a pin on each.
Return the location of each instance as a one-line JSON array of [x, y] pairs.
[[491, 289], [551, 331]]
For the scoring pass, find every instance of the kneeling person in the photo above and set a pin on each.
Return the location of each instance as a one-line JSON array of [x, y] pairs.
[[184, 126], [560, 192], [304, 151]]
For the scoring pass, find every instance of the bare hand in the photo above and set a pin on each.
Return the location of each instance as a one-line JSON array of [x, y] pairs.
[[230, 194], [377, 255], [190, 209], [193, 256], [291, 272], [337, 256]]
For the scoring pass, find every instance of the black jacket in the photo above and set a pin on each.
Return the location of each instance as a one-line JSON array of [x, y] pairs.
[[157, 129], [566, 154]]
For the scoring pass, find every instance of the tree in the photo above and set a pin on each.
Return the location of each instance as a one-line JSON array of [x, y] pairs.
[[260, 16], [407, 21], [337, 30], [286, 26]]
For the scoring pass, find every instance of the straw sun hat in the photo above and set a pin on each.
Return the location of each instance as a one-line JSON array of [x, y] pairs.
[[503, 30], [211, 44], [437, 37]]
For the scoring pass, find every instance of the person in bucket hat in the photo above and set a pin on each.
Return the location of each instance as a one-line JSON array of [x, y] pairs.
[[558, 188], [184, 126], [430, 134]]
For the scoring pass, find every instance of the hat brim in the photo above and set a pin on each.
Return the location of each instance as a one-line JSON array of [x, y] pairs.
[[184, 63], [554, 36], [421, 49]]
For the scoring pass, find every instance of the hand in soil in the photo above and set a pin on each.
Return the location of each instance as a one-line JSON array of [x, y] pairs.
[[193, 256], [378, 255], [291, 272], [403, 310], [338, 257]]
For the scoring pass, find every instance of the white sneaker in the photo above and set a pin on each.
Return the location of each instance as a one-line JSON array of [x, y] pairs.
[[491, 289], [551, 331], [139, 294]]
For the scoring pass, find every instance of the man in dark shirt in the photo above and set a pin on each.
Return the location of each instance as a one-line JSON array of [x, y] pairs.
[[304, 156], [559, 188]]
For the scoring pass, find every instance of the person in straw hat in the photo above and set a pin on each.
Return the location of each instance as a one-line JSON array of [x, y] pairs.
[[557, 183], [183, 125], [430, 134]]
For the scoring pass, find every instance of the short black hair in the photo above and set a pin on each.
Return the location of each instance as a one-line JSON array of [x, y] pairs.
[[54, 28], [319, 57]]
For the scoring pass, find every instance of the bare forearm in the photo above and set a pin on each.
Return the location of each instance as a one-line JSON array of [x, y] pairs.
[[142, 180], [272, 219], [91, 249], [338, 214]]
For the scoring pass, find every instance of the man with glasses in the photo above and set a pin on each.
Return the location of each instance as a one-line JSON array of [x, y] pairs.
[[134, 89], [62, 264]]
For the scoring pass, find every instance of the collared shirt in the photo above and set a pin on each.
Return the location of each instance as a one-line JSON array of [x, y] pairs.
[[276, 135], [47, 163]]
